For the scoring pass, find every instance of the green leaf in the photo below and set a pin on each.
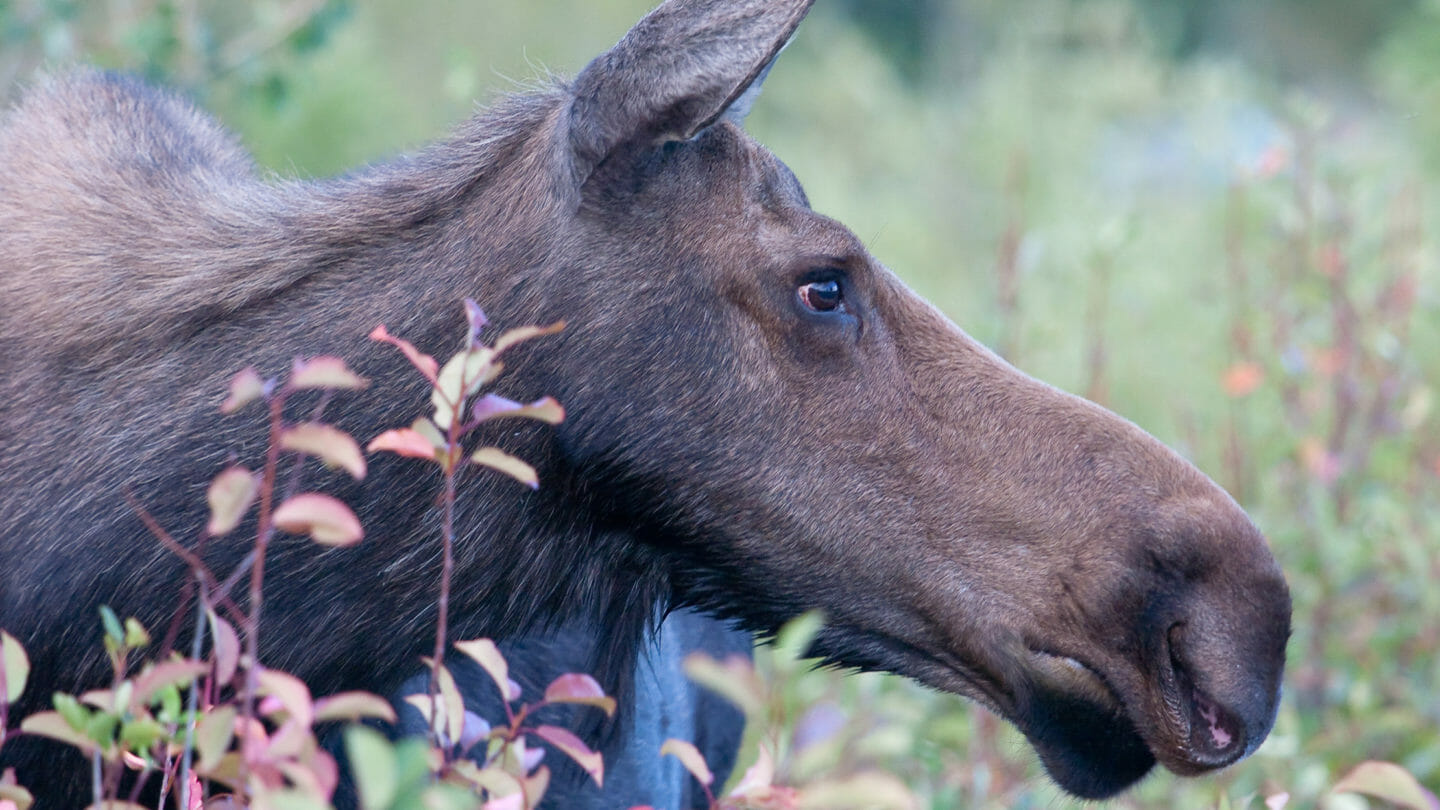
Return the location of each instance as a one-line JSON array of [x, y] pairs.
[[431, 433], [493, 779], [372, 761], [168, 698], [124, 694], [862, 791], [795, 637], [135, 635], [16, 667], [497, 459], [213, 733], [328, 521], [111, 623], [76, 715], [229, 497], [480, 369], [451, 721], [1390, 782], [334, 447], [691, 758], [733, 679], [101, 727], [447, 395], [140, 734]]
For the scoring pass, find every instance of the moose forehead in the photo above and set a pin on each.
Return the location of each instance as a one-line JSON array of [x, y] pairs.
[[716, 180]]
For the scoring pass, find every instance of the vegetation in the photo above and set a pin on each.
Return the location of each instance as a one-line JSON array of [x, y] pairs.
[[1243, 264]]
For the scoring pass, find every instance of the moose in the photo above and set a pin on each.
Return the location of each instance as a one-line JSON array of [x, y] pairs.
[[762, 419]]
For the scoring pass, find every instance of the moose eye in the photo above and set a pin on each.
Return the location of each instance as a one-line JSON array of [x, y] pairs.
[[822, 296]]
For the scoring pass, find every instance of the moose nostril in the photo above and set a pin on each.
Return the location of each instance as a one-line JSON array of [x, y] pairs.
[[1213, 734], [1212, 726]]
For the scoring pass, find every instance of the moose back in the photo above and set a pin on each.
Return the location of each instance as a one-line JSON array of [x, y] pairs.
[[763, 420]]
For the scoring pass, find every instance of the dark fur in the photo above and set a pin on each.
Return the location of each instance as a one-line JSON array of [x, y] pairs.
[[726, 448]]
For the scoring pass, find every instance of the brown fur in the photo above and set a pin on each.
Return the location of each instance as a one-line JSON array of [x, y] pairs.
[[958, 522]]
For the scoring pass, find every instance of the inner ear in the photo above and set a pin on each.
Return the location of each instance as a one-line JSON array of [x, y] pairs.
[[687, 65]]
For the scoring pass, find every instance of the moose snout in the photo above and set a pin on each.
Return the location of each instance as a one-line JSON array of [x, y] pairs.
[[1219, 666]]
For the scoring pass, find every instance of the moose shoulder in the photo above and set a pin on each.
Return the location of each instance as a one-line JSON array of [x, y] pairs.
[[762, 420]]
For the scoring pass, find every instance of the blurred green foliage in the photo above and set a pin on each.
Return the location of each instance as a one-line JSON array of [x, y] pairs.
[[1219, 220]]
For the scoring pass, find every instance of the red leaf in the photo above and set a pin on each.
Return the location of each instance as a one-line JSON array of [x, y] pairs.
[[54, 726], [291, 692], [494, 406], [226, 648], [404, 442], [497, 459], [524, 333], [1390, 782], [581, 689], [229, 497], [572, 747], [1242, 379], [422, 362], [331, 445], [168, 673], [327, 520], [475, 317], [691, 758], [245, 387], [325, 372], [354, 706]]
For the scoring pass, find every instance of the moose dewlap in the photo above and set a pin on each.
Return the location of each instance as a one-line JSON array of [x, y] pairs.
[[762, 419]]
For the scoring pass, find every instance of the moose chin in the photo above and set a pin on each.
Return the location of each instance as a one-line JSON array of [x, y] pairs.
[[762, 419]]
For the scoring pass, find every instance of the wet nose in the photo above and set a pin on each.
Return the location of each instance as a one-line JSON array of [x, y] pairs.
[[1223, 661]]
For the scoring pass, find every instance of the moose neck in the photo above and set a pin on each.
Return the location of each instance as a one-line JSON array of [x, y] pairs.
[[476, 216]]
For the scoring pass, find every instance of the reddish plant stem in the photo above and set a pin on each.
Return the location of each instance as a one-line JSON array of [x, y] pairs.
[[447, 565], [1237, 459], [263, 532], [1096, 316], [1007, 265], [442, 605]]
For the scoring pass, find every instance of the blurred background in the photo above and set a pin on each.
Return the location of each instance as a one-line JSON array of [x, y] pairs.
[[1218, 218]]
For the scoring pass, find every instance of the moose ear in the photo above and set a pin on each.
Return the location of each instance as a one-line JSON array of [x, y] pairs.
[[679, 70]]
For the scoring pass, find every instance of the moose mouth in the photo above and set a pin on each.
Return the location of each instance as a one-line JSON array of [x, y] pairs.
[[1085, 729], [1087, 737], [1079, 726]]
